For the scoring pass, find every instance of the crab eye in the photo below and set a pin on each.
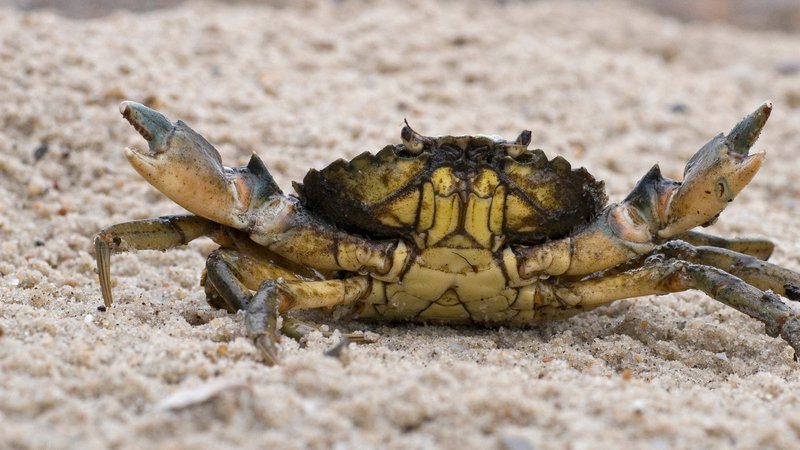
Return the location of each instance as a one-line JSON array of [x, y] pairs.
[[414, 147], [413, 142]]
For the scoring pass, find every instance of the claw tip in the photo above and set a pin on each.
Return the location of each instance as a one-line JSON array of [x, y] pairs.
[[745, 133], [765, 109]]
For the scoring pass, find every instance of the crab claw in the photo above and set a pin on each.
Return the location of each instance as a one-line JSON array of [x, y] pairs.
[[715, 175], [186, 168]]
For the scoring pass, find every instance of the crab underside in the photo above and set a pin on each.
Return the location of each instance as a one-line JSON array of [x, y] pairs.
[[451, 229]]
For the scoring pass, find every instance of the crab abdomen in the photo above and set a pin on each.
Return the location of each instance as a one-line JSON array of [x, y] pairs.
[[459, 286]]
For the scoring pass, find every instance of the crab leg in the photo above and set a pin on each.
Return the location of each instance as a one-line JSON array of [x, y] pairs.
[[285, 227], [151, 234], [755, 247], [276, 297], [755, 271], [231, 277], [674, 275], [759, 273]]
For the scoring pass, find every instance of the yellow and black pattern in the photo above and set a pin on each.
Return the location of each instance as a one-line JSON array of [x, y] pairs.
[[462, 191]]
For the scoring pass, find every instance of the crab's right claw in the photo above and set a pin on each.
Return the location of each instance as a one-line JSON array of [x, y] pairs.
[[714, 176], [188, 169]]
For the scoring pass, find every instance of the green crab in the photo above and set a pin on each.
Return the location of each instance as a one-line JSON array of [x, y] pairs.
[[453, 230]]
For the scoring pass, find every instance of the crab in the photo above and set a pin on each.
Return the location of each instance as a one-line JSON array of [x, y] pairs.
[[451, 230]]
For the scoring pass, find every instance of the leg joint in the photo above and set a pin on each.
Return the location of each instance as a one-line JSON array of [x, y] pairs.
[[678, 276]]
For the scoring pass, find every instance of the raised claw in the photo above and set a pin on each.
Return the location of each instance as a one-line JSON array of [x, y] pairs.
[[185, 167], [714, 176]]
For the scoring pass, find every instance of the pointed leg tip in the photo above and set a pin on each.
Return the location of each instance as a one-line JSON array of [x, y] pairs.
[[338, 350], [268, 349], [103, 260], [362, 337]]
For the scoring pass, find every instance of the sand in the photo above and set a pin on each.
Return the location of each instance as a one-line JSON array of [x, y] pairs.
[[608, 86]]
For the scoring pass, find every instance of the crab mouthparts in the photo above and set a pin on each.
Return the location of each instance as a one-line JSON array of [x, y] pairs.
[[153, 126]]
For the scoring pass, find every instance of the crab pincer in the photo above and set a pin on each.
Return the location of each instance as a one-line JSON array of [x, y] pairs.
[[188, 169], [716, 174]]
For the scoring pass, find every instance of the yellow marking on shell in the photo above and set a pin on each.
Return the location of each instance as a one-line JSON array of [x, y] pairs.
[[520, 216], [446, 220], [517, 170], [401, 211], [476, 220], [374, 181], [485, 183], [497, 209], [545, 196], [444, 182], [427, 208]]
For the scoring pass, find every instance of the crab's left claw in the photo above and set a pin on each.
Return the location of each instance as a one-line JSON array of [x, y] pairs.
[[714, 176], [186, 168]]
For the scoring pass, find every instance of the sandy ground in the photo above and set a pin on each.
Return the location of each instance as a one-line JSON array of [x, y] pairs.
[[606, 85]]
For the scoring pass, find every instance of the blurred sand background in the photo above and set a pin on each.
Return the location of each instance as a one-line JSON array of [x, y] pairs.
[[612, 86]]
